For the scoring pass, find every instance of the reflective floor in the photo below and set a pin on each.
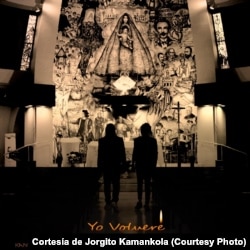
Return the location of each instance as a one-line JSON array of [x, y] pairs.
[[51, 204], [97, 219], [193, 214]]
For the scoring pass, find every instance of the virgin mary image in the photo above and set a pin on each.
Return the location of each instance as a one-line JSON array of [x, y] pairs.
[[126, 52]]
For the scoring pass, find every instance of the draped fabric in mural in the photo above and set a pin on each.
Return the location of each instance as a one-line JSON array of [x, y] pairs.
[[131, 47]]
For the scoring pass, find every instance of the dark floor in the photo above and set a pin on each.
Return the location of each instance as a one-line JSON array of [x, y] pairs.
[[66, 203]]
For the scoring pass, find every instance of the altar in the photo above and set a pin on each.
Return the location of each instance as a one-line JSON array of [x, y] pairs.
[[91, 160]]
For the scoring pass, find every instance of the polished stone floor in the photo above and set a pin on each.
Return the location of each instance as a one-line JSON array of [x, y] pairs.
[[97, 219], [180, 214], [69, 203]]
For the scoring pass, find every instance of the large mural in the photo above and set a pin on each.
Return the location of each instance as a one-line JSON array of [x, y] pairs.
[[126, 48]]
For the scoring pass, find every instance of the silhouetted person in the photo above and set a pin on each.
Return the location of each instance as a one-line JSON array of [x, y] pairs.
[[59, 157], [144, 158], [111, 158]]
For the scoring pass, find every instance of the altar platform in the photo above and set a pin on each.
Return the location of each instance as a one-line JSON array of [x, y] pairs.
[[91, 160]]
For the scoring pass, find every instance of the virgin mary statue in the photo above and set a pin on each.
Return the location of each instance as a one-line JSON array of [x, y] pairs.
[[126, 52]]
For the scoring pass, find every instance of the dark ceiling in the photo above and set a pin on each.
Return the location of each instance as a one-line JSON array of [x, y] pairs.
[[224, 3]]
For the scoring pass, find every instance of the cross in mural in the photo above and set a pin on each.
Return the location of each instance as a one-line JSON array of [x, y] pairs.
[[178, 108], [125, 48]]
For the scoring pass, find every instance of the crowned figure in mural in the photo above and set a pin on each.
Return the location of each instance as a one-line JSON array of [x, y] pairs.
[[124, 53]]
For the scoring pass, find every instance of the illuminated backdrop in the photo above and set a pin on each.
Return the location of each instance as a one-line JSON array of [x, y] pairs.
[[126, 48]]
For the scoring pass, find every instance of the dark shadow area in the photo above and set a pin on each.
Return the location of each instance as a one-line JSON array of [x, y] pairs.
[[61, 202], [205, 200], [44, 200]]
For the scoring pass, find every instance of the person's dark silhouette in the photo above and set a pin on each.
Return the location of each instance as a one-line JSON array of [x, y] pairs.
[[144, 158], [59, 157], [111, 158]]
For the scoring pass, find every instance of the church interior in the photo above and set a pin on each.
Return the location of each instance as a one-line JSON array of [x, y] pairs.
[[68, 68]]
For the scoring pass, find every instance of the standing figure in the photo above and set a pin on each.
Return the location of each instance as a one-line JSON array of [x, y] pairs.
[[59, 157], [99, 125], [85, 127], [144, 158], [183, 70], [125, 51], [121, 127], [110, 159]]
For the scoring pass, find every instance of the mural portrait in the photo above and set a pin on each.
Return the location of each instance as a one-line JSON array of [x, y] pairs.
[[126, 48]]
